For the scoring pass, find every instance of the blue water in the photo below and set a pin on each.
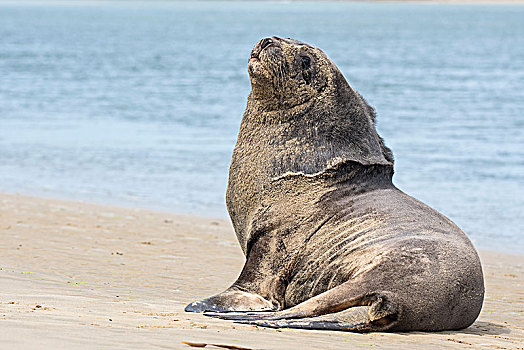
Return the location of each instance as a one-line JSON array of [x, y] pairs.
[[139, 103]]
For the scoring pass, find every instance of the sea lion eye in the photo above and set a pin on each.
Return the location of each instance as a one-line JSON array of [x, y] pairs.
[[306, 62]]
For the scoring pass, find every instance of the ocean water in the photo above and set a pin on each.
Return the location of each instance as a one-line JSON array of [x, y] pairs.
[[139, 103]]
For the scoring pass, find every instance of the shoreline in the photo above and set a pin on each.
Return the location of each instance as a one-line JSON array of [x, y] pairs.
[[198, 214], [99, 276]]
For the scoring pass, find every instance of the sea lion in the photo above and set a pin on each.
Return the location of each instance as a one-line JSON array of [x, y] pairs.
[[330, 242]]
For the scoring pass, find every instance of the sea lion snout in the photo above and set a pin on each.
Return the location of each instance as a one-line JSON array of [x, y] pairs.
[[263, 44]]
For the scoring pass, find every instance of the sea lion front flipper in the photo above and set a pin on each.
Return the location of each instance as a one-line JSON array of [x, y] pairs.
[[231, 300]]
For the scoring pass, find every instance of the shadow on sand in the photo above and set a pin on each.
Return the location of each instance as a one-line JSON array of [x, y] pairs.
[[484, 328], [478, 328]]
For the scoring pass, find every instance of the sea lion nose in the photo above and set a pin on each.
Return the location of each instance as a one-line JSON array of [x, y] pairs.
[[266, 42]]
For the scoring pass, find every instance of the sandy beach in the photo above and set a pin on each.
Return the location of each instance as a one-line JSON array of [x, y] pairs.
[[86, 276]]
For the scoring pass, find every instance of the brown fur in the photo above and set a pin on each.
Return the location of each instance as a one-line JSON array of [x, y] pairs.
[[324, 230]]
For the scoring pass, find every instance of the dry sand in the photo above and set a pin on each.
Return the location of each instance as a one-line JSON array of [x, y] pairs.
[[77, 276]]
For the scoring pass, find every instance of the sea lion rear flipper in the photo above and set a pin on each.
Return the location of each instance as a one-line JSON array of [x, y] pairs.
[[344, 307], [355, 319]]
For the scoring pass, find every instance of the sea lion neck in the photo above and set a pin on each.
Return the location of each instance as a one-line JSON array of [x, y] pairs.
[[274, 110], [284, 99]]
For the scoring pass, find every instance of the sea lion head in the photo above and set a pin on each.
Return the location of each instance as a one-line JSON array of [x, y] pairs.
[[296, 83], [285, 73]]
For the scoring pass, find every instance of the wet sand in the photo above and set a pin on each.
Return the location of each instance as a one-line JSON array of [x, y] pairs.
[[86, 276]]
